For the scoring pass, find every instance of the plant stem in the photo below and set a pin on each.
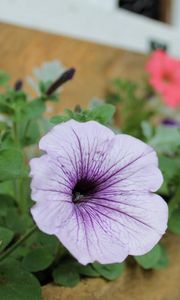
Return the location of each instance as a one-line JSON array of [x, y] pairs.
[[15, 132], [19, 189], [18, 243], [26, 128], [22, 198], [16, 182]]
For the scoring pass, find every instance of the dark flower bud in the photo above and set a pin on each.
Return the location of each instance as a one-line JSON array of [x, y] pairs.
[[66, 76]]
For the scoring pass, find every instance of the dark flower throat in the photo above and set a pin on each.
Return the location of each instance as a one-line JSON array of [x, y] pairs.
[[82, 189]]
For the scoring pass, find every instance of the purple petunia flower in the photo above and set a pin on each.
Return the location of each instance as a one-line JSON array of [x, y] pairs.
[[171, 122], [95, 191]]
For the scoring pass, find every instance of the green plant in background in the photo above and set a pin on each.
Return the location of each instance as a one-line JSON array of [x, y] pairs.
[[134, 109], [28, 257], [146, 119]]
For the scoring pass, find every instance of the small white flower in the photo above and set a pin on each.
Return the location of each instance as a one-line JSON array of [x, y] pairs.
[[47, 72]]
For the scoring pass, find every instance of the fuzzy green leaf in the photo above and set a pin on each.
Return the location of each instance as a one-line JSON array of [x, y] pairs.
[[150, 259], [10, 164], [48, 241], [37, 260], [66, 274], [31, 134], [6, 201], [110, 271], [170, 166], [147, 129], [87, 271], [34, 109], [6, 236], [166, 139], [174, 221], [6, 187], [102, 113], [17, 222], [163, 260], [17, 284], [59, 119]]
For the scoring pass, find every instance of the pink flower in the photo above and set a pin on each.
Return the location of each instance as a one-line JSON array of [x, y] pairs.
[[165, 76], [94, 190]]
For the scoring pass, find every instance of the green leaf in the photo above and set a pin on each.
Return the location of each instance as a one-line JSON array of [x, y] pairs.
[[20, 252], [87, 271], [45, 125], [163, 260], [17, 284], [6, 236], [150, 259], [17, 222], [59, 119], [166, 139], [174, 221], [174, 203], [11, 162], [66, 274], [147, 129], [124, 84], [6, 187], [37, 260], [110, 271], [4, 78], [6, 201], [102, 113], [34, 109], [164, 189], [169, 166], [31, 134], [48, 241]]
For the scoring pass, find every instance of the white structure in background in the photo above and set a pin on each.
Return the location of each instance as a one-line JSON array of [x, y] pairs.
[[88, 20], [105, 4], [175, 14]]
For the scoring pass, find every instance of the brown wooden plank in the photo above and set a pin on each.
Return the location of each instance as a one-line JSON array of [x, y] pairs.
[[23, 49], [134, 284]]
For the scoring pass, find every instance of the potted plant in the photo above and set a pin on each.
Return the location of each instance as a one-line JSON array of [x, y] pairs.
[[94, 183]]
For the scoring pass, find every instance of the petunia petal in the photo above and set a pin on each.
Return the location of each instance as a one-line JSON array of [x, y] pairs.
[[130, 165], [143, 216], [80, 144], [89, 235], [50, 215], [92, 236], [49, 179], [70, 133], [147, 219]]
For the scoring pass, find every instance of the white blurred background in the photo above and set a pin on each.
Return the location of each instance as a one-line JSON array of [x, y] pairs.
[[122, 24]]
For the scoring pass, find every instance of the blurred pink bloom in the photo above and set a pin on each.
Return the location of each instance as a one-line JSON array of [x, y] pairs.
[[165, 76]]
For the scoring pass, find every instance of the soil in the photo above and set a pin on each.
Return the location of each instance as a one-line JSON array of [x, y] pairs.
[[135, 284]]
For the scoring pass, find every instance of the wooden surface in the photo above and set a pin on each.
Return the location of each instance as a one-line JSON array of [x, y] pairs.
[[134, 284], [23, 49]]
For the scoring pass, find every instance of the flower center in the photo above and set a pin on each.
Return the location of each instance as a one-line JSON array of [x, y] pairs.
[[83, 188], [167, 78]]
